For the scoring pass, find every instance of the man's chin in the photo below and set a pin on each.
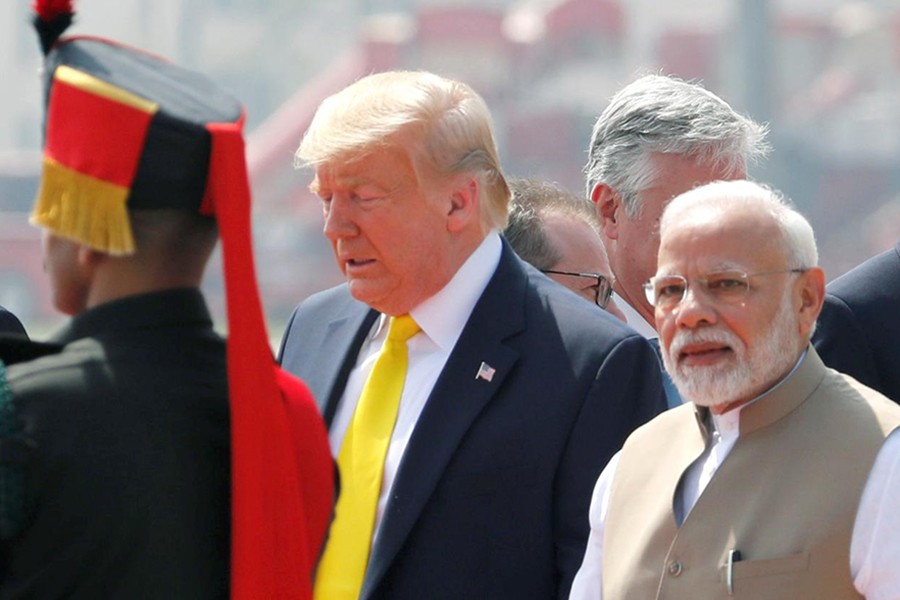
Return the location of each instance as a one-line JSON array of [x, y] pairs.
[[708, 386], [364, 292], [709, 401]]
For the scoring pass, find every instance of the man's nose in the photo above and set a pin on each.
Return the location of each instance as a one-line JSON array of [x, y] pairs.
[[695, 308], [339, 222]]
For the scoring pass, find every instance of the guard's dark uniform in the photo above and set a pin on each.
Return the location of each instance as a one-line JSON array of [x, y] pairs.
[[142, 456], [123, 446]]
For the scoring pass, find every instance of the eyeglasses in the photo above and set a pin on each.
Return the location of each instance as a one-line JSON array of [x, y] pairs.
[[604, 285], [728, 287]]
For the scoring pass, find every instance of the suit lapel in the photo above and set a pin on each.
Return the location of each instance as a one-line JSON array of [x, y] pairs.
[[458, 398], [344, 350], [329, 350]]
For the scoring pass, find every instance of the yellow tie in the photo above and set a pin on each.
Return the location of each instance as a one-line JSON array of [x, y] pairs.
[[361, 463]]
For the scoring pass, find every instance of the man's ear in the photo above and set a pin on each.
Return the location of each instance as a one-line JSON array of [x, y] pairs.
[[609, 209], [811, 287], [464, 205]]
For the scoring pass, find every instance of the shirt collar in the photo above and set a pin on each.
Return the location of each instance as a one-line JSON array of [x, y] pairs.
[[634, 318], [443, 316], [731, 419]]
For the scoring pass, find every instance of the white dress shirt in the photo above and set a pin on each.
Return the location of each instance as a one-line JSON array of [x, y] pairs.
[[639, 324], [442, 318], [874, 546], [634, 318]]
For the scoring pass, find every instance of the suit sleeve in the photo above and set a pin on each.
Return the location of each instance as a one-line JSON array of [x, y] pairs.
[[626, 392], [9, 323], [15, 452], [841, 342]]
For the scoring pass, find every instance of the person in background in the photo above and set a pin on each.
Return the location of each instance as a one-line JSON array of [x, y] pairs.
[[858, 331], [471, 401], [555, 231], [139, 456], [779, 477], [659, 136]]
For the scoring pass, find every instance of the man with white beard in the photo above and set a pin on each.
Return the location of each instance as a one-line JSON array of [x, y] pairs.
[[806, 504]]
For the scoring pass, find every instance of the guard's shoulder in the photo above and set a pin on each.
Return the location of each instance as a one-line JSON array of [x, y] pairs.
[[17, 349], [15, 446]]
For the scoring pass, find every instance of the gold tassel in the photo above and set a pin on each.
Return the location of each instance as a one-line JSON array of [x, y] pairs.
[[84, 209]]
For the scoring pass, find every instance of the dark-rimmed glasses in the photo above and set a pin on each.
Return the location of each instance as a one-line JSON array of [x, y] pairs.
[[604, 285], [728, 286]]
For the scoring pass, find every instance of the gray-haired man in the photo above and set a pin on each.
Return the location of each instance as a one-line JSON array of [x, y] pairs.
[[658, 137]]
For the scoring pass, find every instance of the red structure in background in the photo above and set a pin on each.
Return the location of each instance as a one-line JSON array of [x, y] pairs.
[[468, 43], [547, 70]]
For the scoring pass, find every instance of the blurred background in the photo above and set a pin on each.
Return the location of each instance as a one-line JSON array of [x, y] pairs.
[[824, 74]]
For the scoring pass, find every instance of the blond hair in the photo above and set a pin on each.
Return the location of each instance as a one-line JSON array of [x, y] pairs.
[[449, 123]]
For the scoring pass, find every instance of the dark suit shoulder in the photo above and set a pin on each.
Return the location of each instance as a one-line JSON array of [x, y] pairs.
[[319, 338], [15, 348], [60, 368], [580, 321], [314, 314], [858, 332], [10, 323], [872, 286]]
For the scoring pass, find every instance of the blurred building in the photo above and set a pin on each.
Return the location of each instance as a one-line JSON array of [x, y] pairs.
[[825, 74]]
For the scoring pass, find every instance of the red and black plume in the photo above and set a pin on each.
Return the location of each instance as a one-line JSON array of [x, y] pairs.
[[51, 19]]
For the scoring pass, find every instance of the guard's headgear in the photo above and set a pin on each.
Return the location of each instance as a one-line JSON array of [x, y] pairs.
[[128, 131]]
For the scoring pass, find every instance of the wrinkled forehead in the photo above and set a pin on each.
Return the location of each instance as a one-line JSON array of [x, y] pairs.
[[701, 241], [384, 166]]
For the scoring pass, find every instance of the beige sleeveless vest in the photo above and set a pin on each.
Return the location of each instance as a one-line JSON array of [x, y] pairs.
[[785, 497]]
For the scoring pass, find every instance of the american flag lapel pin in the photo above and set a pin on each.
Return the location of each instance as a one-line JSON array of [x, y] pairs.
[[486, 372]]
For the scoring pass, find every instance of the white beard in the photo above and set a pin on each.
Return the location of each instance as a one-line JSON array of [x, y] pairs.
[[751, 370]]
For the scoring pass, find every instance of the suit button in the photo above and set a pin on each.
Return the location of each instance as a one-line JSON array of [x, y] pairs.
[[675, 568]]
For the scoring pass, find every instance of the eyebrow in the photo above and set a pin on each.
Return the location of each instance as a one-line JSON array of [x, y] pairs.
[[723, 266], [729, 266], [352, 183]]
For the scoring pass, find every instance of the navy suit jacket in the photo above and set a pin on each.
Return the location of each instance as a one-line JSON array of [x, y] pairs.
[[491, 497], [859, 328], [9, 323]]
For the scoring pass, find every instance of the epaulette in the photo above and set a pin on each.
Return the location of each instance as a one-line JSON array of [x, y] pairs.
[[16, 348]]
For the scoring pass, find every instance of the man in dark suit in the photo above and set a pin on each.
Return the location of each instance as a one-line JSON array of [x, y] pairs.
[[516, 391], [139, 456], [858, 331]]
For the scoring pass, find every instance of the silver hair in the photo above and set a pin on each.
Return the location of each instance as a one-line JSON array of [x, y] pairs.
[[666, 115], [798, 238]]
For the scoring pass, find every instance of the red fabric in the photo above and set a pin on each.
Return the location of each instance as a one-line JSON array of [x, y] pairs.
[[105, 141], [317, 467], [48, 10], [272, 543]]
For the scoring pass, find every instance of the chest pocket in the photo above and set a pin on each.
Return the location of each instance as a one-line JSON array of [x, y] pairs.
[[768, 579]]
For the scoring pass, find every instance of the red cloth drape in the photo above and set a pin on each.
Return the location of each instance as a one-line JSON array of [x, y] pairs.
[[281, 468]]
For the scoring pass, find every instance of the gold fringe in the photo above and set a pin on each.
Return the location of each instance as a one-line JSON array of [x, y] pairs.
[[84, 209]]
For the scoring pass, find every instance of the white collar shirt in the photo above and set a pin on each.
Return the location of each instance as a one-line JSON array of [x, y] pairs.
[[441, 318], [874, 545], [634, 318]]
